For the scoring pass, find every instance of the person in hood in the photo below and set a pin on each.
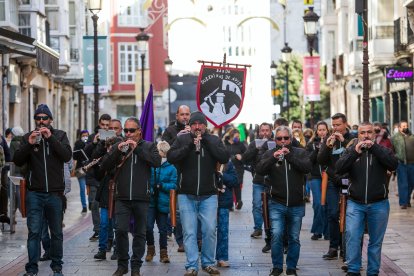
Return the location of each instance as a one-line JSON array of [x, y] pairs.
[[367, 163], [195, 155], [403, 143], [44, 151]]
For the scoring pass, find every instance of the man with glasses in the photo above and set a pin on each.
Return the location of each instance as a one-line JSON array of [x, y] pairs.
[[44, 151], [367, 163], [134, 159], [285, 167], [94, 149], [195, 155], [331, 150]]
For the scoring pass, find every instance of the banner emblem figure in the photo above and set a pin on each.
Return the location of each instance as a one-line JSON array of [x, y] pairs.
[[220, 93]]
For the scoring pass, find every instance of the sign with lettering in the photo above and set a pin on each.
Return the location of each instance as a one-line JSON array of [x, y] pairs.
[[311, 84], [399, 74], [220, 93]]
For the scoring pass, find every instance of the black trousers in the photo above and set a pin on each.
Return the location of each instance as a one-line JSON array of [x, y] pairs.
[[124, 210]]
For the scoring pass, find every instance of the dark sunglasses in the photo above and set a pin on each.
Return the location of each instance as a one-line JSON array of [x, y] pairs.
[[44, 118], [284, 138], [130, 130]]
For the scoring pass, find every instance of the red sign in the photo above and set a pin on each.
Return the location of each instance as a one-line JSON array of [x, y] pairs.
[[311, 85]]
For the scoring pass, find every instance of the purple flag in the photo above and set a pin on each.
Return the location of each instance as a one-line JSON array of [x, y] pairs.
[[147, 118]]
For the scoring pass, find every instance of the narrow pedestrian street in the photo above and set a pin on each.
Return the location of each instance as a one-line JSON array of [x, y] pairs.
[[245, 253]]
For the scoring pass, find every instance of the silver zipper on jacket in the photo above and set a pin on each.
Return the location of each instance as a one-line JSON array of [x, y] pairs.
[[287, 185], [44, 158], [130, 181], [198, 174], [181, 179], [385, 191], [366, 181]]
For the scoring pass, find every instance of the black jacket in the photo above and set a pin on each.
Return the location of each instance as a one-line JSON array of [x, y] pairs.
[[170, 134], [197, 171], [329, 156], [79, 144], [133, 179], [287, 181], [367, 172], [251, 157], [45, 165], [233, 149], [313, 149]]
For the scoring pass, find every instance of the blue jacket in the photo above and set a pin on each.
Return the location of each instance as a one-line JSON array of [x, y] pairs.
[[230, 180], [163, 179]]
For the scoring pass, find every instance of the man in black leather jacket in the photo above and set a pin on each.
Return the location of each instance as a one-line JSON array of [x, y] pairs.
[[179, 125], [285, 167], [367, 164]]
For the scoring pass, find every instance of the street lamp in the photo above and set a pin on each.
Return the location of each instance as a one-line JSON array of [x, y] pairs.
[[273, 73], [142, 39], [95, 7], [311, 20], [168, 68], [286, 55]]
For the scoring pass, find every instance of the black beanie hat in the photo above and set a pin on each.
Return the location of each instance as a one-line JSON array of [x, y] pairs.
[[43, 108], [197, 116]]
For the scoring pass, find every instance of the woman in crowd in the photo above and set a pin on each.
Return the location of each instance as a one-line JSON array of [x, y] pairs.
[[320, 219], [79, 159]]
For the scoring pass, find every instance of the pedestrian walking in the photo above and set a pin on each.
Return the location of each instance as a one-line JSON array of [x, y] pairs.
[[44, 151], [367, 164], [403, 143], [195, 155], [163, 179], [134, 159], [79, 160], [285, 167]]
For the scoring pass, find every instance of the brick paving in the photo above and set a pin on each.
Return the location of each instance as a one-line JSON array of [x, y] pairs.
[[245, 253]]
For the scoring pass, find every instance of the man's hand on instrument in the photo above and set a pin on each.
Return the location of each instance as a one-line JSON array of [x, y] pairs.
[[45, 132]]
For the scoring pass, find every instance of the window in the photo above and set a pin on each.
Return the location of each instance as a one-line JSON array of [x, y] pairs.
[[41, 28], [25, 2], [130, 13], [2, 10], [24, 24], [129, 62], [74, 51], [53, 18], [112, 64], [54, 43], [388, 6], [72, 13], [50, 2]]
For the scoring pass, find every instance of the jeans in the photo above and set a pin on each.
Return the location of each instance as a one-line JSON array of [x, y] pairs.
[[153, 216], [41, 205], [94, 207], [123, 211], [320, 215], [205, 209], [282, 217], [82, 190], [45, 239], [106, 229], [178, 230], [257, 205], [222, 248], [332, 202], [376, 215], [405, 175]]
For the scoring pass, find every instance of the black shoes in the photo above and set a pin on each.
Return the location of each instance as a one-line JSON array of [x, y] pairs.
[[316, 237], [84, 210], [120, 271], [331, 255], [94, 237], [45, 257], [256, 234], [266, 248], [30, 274], [291, 271], [4, 219], [239, 205], [135, 273], [101, 255], [353, 274], [276, 272], [114, 256]]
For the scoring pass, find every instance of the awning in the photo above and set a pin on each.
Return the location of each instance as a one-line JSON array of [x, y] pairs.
[[47, 59]]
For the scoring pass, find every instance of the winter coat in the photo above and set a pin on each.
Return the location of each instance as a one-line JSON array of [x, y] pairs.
[[197, 171], [163, 179], [14, 145], [367, 172], [329, 156], [251, 156], [233, 149], [133, 179], [313, 149], [399, 147], [170, 134], [45, 163], [228, 179], [287, 180]]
